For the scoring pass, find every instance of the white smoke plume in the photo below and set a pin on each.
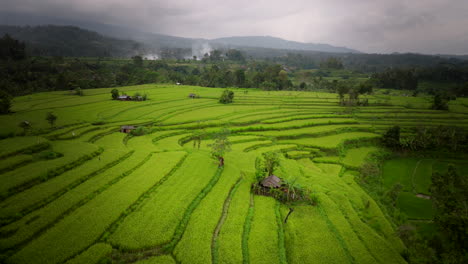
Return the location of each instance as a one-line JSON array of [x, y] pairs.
[[199, 49], [151, 56]]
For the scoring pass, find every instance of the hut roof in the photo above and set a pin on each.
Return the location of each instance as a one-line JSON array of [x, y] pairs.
[[127, 127], [124, 97], [271, 181]]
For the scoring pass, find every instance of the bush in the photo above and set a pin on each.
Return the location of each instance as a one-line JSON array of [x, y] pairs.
[[391, 138], [79, 91], [227, 97], [440, 103], [140, 131]]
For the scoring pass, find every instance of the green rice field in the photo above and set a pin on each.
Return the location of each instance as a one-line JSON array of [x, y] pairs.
[[83, 192]]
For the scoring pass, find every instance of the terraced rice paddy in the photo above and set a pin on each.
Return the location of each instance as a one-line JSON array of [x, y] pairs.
[[158, 199]]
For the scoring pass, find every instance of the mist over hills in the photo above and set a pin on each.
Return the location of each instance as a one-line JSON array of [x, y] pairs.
[[278, 43]]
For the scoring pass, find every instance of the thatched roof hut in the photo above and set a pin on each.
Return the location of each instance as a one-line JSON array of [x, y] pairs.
[[271, 182]]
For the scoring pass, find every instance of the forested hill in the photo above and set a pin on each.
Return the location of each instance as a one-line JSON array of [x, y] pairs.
[[70, 41], [278, 43]]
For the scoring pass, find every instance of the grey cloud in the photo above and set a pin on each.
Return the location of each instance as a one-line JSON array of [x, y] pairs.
[[426, 26]]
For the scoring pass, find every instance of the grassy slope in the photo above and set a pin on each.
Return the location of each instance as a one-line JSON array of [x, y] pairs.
[[123, 209]]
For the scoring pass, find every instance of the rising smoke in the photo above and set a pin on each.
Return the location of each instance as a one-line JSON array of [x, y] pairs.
[[199, 49]]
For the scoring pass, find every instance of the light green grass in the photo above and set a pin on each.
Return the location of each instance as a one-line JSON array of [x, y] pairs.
[[155, 222], [92, 255]]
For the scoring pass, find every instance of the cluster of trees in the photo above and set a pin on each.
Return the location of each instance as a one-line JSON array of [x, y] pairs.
[[332, 63], [427, 138], [353, 92], [452, 79], [264, 75], [11, 49], [400, 79]]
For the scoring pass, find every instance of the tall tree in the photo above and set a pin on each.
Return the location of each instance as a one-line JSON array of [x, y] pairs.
[[271, 161], [221, 145]]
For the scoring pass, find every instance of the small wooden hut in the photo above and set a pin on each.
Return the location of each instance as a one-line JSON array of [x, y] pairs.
[[192, 95], [271, 182], [127, 129], [124, 98]]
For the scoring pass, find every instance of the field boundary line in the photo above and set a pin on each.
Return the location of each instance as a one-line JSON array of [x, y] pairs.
[[182, 226], [222, 219], [246, 231], [281, 242]]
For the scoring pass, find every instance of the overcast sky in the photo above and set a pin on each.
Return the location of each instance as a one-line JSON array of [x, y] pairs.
[[383, 26]]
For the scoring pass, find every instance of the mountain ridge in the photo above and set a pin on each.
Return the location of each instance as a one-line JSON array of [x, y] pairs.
[[157, 40]]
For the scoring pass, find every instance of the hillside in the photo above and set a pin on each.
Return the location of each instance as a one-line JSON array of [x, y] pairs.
[[53, 40], [278, 43]]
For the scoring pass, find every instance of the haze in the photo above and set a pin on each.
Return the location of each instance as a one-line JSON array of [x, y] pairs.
[[374, 26]]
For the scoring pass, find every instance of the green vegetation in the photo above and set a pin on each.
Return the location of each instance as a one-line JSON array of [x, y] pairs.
[[227, 97], [77, 190]]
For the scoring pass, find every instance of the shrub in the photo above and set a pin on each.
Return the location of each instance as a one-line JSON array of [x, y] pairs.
[[140, 131], [79, 91], [227, 97]]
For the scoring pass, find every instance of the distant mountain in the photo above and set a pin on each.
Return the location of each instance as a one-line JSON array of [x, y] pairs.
[[278, 43], [156, 41], [70, 41]]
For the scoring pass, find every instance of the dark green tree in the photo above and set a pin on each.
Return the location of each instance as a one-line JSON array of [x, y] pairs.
[[303, 86], [115, 94], [137, 61], [240, 78], [5, 102], [51, 118], [440, 102], [391, 138]]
